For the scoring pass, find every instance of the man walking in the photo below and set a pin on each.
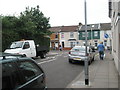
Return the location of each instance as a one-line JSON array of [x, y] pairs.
[[101, 49]]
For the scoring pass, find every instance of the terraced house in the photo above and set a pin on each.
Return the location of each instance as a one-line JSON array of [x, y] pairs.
[[95, 34], [74, 35], [69, 36], [55, 37]]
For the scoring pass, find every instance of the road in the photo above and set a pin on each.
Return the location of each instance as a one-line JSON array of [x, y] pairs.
[[59, 72]]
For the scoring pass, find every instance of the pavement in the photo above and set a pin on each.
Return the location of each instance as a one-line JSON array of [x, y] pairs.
[[102, 74]]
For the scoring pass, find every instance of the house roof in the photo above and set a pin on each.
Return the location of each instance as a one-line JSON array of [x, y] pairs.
[[72, 28], [55, 29], [90, 27], [69, 28], [105, 26]]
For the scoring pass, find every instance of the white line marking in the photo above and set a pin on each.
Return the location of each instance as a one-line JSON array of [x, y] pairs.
[[47, 61], [65, 56]]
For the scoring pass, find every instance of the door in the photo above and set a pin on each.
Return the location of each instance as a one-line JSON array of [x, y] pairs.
[[63, 44], [26, 50]]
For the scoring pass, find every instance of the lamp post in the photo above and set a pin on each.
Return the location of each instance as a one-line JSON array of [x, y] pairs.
[[86, 61]]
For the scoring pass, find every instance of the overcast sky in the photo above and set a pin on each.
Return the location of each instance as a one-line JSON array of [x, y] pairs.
[[61, 12]]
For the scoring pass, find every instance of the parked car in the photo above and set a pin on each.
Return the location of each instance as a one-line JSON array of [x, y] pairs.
[[20, 73], [77, 53]]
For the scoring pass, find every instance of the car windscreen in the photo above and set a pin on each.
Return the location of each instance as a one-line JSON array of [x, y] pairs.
[[79, 49], [16, 45]]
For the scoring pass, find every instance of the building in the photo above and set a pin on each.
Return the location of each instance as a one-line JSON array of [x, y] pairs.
[[74, 35], [66, 36], [93, 33], [55, 37], [96, 33], [106, 35], [69, 36], [114, 14]]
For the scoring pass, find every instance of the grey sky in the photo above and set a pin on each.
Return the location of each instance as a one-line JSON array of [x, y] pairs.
[[61, 12]]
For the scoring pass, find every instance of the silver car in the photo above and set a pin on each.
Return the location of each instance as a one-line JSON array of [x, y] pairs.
[[77, 53]]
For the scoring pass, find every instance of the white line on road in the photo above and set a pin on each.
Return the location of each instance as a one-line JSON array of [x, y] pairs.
[[65, 56], [47, 61]]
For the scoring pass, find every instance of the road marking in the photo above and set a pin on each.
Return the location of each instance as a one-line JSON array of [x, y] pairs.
[[65, 56], [47, 61]]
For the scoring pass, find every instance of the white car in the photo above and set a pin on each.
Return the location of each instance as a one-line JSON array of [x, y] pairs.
[[77, 53]]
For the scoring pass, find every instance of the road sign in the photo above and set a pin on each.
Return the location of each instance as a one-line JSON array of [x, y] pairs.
[[106, 35]]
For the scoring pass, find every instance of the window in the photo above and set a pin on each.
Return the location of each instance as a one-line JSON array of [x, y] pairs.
[[26, 45], [96, 44], [71, 34], [83, 34], [10, 76], [105, 42], [29, 70], [72, 44], [62, 35], [95, 33], [16, 45], [77, 43]]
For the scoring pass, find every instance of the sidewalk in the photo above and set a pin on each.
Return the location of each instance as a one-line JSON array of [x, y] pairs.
[[102, 74]]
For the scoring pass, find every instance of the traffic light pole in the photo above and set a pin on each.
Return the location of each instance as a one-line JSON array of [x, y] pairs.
[[86, 61]]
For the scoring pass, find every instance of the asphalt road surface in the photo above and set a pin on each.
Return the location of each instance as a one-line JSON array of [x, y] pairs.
[[59, 72]]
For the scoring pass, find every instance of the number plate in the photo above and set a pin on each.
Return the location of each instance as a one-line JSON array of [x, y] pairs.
[[77, 58]]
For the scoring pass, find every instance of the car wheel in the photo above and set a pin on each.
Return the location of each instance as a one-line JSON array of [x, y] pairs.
[[71, 61], [93, 59]]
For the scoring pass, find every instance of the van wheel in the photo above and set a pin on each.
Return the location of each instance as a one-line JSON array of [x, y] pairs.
[[24, 55], [43, 55]]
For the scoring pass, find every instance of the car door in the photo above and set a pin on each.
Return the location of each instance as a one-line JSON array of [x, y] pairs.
[[32, 74], [10, 76], [26, 49]]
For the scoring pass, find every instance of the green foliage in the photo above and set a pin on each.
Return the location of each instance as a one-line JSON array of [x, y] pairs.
[[31, 24]]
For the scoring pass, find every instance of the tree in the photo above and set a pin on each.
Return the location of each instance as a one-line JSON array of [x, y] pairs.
[[31, 24], [34, 15]]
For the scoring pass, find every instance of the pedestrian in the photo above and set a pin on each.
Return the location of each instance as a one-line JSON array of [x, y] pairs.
[[60, 47], [101, 49]]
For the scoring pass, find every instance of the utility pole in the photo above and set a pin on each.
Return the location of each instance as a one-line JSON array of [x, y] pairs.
[[86, 61]]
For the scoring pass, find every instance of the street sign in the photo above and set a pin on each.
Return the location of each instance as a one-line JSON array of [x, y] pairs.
[[106, 35]]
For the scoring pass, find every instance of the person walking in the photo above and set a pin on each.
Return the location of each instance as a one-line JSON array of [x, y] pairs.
[[60, 47], [101, 49]]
